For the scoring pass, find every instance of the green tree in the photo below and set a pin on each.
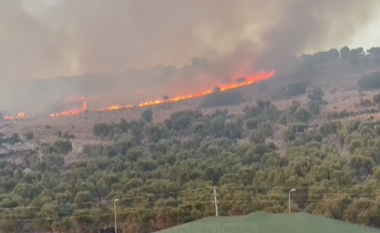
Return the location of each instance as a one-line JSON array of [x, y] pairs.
[[83, 199], [316, 94], [302, 114], [362, 167], [345, 53], [134, 154], [147, 115]]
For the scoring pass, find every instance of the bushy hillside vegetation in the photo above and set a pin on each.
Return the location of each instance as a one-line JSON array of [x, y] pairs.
[[370, 81], [163, 173], [217, 98]]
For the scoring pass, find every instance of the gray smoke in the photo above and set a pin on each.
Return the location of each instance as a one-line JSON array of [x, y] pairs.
[[42, 39]]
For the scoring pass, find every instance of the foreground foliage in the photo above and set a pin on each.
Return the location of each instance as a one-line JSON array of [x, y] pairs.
[[163, 173]]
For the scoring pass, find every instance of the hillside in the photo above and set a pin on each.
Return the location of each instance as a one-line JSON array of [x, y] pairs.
[[318, 133]]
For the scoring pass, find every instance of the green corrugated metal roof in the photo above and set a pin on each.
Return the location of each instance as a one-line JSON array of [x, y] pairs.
[[303, 223], [206, 225], [261, 222]]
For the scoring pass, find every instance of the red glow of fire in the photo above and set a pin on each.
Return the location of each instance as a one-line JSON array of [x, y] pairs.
[[261, 76]]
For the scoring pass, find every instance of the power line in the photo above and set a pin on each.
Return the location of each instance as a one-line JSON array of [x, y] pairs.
[[182, 199], [76, 215], [189, 198]]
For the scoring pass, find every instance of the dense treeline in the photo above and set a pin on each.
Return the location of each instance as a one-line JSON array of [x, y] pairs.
[[352, 55], [163, 173]]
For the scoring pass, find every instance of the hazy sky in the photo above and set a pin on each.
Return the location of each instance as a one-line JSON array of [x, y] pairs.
[[369, 35], [49, 38]]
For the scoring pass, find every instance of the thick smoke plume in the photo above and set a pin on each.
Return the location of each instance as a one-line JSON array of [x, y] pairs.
[[42, 39]]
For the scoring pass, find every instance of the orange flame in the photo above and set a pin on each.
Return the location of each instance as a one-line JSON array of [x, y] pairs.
[[19, 116], [249, 81]]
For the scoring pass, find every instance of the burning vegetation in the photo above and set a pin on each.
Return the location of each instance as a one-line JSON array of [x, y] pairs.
[[213, 97]]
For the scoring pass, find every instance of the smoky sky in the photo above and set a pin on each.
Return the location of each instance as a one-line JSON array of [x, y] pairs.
[[49, 38], [42, 39]]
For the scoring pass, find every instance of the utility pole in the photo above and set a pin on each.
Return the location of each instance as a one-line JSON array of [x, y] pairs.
[[215, 202], [114, 207]]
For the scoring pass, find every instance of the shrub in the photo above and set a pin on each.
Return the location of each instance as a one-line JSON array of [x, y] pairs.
[[227, 98], [370, 81], [29, 135], [298, 88]]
